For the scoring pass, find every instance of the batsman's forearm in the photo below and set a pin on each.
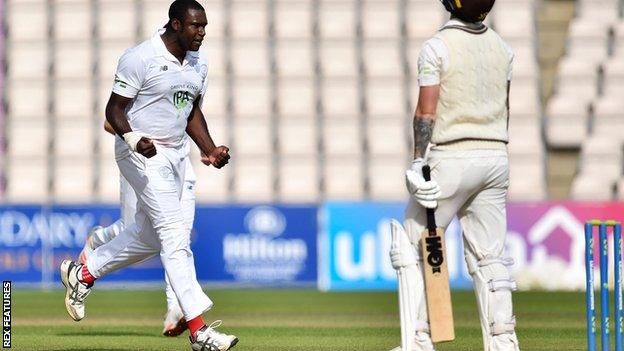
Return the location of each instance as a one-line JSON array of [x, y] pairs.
[[116, 117], [197, 129], [423, 130]]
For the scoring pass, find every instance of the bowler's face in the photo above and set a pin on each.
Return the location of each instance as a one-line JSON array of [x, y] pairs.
[[193, 29]]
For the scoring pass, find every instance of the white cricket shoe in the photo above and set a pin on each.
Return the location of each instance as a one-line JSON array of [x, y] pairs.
[[174, 324], [76, 291], [208, 339], [88, 248]]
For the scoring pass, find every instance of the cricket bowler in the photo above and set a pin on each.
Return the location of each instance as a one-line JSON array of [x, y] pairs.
[[154, 104], [460, 131]]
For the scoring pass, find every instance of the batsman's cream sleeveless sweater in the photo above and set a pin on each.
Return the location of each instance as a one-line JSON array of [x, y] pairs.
[[472, 108]]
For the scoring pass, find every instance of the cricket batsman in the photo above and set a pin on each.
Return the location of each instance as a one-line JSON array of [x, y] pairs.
[[460, 131], [154, 104]]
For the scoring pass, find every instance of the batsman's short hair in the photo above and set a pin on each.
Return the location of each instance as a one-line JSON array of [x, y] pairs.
[[179, 8]]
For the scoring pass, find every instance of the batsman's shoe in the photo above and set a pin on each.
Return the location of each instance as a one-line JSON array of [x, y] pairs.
[[208, 339], [174, 324], [76, 291], [88, 246]]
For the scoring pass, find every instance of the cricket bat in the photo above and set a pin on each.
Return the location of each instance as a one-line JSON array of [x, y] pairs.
[[438, 291]]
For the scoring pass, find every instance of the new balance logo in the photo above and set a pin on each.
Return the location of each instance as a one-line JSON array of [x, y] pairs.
[[164, 68]]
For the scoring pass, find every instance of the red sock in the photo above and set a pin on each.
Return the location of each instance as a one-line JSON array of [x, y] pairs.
[[195, 324], [87, 278]]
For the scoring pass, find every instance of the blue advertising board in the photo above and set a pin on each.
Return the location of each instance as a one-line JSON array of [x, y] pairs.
[[257, 245], [22, 233], [35, 239], [355, 244], [260, 245]]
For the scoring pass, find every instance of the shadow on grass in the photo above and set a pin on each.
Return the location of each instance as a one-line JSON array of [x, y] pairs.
[[106, 333]]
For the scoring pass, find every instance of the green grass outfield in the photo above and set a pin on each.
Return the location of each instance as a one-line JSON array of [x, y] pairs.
[[280, 320]]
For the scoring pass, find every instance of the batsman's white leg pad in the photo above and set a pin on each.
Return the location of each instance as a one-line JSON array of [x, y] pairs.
[[421, 326], [493, 287], [422, 339], [504, 336], [412, 307], [504, 328]]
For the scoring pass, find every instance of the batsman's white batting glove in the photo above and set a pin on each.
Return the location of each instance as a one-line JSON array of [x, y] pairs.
[[426, 193]]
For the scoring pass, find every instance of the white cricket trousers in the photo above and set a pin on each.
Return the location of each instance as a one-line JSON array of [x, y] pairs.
[[128, 204], [159, 227], [474, 187]]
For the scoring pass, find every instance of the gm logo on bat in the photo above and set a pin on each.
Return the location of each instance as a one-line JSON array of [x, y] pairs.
[[435, 256]]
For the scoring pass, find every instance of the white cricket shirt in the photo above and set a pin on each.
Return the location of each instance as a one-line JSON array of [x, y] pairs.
[[161, 88], [434, 58]]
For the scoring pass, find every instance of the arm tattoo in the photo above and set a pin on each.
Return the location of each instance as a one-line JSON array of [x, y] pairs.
[[423, 130]]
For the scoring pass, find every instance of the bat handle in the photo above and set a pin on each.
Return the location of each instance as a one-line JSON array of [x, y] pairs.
[[431, 223]]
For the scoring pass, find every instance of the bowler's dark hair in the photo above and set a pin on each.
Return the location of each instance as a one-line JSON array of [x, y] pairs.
[[179, 8]]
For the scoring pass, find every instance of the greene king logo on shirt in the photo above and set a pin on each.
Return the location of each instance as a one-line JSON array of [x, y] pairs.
[[120, 82], [183, 94], [181, 99]]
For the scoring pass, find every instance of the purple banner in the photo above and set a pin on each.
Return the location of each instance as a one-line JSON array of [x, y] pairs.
[[545, 239], [547, 243]]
